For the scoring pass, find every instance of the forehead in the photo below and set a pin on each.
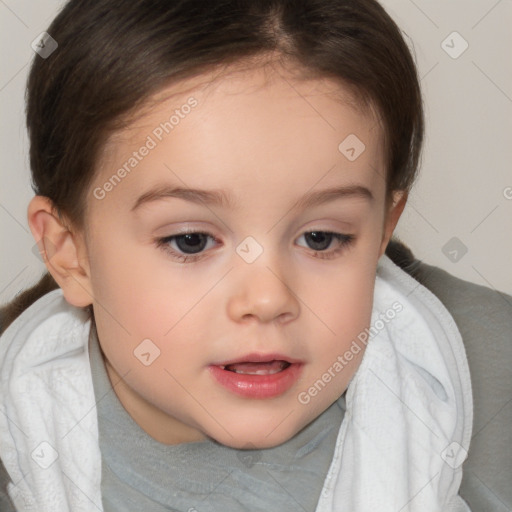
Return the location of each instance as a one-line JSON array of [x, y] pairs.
[[264, 75], [248, 122]]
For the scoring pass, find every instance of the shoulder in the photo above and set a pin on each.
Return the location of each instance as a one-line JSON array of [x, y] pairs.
[[484, 318]]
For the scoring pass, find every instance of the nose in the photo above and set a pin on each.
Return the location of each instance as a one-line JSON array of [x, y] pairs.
[[262, 293]]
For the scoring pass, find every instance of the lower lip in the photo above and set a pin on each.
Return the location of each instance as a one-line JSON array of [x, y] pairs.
[[258, 386]]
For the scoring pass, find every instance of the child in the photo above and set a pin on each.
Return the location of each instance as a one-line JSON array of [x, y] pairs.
[[282, 361]]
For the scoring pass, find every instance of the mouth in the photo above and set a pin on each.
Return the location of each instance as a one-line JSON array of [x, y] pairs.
[[254, 368], [258, 375]]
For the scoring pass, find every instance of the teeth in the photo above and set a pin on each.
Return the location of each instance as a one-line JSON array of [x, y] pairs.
[[259, 372], [269, 368]]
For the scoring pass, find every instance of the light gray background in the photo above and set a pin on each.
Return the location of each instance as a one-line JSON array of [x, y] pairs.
[[465, 185]]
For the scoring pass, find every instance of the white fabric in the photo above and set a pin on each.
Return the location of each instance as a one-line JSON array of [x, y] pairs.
[[400, 446], [409, 416]]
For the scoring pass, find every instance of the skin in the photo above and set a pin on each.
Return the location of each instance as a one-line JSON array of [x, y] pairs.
[[267, 139]]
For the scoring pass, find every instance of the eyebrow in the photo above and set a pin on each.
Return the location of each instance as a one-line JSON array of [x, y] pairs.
[[221, 198]]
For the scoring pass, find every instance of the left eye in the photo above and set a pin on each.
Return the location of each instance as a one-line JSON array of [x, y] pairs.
[[191, 246], [321, 240]]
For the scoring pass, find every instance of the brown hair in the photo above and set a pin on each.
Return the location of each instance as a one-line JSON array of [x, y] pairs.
[[113, 55]]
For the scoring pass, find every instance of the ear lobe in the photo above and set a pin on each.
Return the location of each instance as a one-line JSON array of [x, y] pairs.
[[392, 217], [61, 251]]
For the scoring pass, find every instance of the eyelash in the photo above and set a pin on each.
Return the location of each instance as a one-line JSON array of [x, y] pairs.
[[345, 241]]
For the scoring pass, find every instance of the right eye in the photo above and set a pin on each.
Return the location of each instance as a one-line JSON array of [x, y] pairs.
[[188, 246]]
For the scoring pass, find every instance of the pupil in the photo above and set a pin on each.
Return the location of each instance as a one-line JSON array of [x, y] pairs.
[[319, 239], [196, 241]]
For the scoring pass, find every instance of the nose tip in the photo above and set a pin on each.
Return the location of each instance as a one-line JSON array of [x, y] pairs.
[[263, 295]]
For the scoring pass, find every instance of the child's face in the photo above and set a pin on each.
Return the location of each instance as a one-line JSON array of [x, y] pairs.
[[265, 284]]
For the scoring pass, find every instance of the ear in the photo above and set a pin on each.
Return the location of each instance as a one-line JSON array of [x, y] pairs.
[[63, 252], [392, 215]]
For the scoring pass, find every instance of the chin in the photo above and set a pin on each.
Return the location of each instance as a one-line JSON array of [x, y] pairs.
[[255, 438], [252, 443]]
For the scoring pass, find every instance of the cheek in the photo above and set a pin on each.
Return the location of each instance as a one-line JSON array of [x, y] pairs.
[[349, 313], [127, 308], [138, 296], [343, 306], [343, 294], [125, 284]]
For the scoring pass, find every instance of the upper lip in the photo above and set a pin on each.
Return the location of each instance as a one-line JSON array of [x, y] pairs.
[[258, 358]]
